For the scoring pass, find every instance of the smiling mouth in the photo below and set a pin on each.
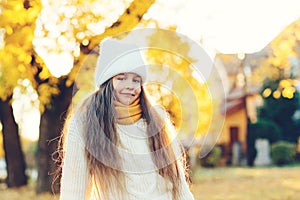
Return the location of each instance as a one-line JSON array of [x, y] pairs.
[[128, 94]]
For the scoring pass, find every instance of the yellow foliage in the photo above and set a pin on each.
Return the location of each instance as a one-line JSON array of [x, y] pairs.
[[15, 57], [276, 94], [267, 92], [126, 22], [45, 73], [276, 65], [8, 73], [288, 92], [285, 83], [19, 21], [46, 91], [186, 99]]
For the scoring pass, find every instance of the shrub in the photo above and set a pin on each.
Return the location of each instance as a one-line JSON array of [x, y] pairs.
[[283, 152], [263, 128], [212, 157]]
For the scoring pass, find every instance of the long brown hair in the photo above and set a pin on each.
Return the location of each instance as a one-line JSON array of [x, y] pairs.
[[98, 120]]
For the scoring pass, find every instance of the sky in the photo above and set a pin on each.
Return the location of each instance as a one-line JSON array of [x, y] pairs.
[[225, 26], [228, 26]]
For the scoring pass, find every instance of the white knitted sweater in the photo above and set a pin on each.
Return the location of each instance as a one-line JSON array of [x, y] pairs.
[[147, 184]]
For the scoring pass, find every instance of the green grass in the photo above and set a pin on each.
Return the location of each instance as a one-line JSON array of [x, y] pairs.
[[273, 183]]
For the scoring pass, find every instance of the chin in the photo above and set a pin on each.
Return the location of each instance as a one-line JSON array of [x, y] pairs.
[[126, 102]]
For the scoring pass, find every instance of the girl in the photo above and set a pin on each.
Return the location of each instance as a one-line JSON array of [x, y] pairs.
[[117, 145]]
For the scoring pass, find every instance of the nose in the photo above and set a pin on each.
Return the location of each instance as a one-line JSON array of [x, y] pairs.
[[130, 85]]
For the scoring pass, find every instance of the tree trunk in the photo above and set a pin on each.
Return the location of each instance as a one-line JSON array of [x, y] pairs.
[[52, 121], [15, 162]]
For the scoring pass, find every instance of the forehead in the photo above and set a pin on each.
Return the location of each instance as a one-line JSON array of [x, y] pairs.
[[129, 74]]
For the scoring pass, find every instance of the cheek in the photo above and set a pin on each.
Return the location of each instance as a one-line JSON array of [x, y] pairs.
[[138, 91], [117, 85], [114, 83]]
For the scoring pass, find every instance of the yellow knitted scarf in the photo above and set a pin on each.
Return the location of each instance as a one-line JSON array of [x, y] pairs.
[[128, 114]]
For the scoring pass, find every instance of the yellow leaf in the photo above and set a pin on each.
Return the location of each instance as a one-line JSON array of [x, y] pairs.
[[45, 73]]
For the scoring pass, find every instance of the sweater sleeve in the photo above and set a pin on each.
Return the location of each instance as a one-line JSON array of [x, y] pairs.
[[75, 181]]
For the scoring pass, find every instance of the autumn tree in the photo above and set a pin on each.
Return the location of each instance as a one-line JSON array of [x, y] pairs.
[[279, 90], [55, 109], [280, 103], [55, 93], [278, 73], [18, 21], [280, 59]]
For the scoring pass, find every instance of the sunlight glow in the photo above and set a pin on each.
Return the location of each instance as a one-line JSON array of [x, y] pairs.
[[2, 32], [26, 110], [276, 94], [59, 64], [230, 26], [267, 92]]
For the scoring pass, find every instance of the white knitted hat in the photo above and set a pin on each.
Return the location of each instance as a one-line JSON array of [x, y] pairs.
[[117, 56]]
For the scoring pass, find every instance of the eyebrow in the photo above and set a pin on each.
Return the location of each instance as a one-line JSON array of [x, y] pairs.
[[135, 75]]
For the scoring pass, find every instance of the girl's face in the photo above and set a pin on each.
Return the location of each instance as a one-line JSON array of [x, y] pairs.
[[127, 87]]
